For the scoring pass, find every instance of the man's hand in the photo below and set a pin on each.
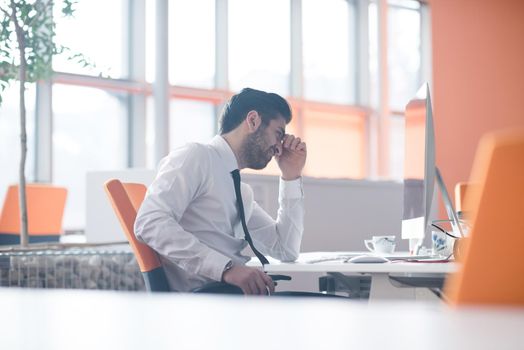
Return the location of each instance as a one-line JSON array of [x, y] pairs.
[[292, 157], [251, 280]]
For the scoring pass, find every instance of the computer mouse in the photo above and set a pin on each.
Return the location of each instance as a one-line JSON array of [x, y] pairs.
[[368, 259]]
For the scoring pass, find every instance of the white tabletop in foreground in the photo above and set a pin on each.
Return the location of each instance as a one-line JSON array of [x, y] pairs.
[[47, 319]]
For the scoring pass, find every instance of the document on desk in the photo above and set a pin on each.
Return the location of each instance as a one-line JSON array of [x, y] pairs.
[[425, 260], [342, 257], [320, 257]]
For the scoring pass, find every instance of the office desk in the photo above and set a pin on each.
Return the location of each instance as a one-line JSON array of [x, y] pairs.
[[381, 286], [66, 319]]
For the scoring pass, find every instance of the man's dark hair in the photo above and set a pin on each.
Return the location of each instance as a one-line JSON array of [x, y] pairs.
[[268, 105]]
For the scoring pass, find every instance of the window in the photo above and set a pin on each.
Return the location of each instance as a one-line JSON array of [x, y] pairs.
[[336, 144], [200, 129], [373, 54], [192, 43], [97, 32], [259, 43], [404, 56], [329, 51], [356, 63], [397, 144], [89, 133], [150, 54], [401, 77], [10, 137]]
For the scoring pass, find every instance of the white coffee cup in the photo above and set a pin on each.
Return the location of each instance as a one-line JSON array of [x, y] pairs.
[[381, 244]]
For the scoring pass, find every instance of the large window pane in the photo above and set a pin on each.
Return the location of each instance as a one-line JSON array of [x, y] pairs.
[[374, 85], [403, 55], [89, 134], [190, 121], [396, 147], [150, 41], [150, 134], [10, 137], [336, 144], [259, 42], [329, 50], [192, 43], [96, 31], [415, 140]]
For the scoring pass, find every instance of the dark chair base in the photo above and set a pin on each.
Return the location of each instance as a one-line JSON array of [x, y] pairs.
[[218, 288], [224, 288], [9, 239], [307, 295]]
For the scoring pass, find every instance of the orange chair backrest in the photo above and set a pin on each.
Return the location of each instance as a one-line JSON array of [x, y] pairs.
[[492, 268], [126, 198], [45, 209], [460, 195]]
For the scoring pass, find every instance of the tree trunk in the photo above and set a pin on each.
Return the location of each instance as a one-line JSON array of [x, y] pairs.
[[24, 234], [20, 36]]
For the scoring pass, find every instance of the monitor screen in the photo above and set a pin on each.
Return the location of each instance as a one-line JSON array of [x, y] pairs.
[[419, 168]]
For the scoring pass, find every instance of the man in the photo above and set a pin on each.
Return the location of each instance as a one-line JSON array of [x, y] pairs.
[[190, 214]]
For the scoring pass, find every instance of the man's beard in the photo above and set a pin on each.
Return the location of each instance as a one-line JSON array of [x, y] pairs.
[[255, 152]]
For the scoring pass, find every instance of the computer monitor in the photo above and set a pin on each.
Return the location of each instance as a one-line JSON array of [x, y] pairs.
[[420, 172], [419, 168]]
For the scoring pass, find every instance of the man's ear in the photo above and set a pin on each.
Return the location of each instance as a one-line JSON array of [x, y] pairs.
[[253, 121]]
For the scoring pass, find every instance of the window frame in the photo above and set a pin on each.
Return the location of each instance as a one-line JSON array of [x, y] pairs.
[[376, 119]]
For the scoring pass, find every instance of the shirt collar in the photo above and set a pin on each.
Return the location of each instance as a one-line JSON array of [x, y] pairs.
[[225, 152]]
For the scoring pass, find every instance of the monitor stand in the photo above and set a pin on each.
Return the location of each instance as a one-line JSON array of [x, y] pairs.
[[450, 209], [415, 229]]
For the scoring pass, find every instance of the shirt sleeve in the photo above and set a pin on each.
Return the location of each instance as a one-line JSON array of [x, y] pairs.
[[182, 176], [280, 238]]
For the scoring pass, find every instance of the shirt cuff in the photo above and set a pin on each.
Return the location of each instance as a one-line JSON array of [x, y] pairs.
[[291, 189], [213, 265]]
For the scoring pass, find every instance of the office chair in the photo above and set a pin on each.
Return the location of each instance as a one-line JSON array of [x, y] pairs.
[[45, 210], [126, 198], [460, 195], [492, 268]]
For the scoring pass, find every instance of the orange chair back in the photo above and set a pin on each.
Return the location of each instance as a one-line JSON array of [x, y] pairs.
[[492, 268], [45, 210], [460, 195], [126, 198]]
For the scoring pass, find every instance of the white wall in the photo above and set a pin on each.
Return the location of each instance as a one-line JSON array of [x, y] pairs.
[[340, 214]]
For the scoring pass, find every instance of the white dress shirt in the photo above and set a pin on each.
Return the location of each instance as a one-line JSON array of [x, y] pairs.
[[190, 217]]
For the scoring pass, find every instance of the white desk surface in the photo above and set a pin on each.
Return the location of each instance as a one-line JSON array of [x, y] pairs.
[[304, 264], [62, 319]]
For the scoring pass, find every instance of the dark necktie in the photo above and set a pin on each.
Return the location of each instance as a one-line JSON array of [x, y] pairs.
[[240, 205]]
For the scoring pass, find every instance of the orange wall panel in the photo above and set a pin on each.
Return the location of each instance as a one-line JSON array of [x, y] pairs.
[[478, 76]]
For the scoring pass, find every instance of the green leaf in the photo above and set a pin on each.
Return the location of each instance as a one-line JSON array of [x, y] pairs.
[[67, 8]]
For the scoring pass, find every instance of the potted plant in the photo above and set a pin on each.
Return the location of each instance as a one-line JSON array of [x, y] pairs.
[[27, 46]]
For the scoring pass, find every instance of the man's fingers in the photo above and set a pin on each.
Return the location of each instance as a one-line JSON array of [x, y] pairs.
[[250, 280], [295, 143], [287, 140], [261, 285], [245, 289], [269, 283]]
